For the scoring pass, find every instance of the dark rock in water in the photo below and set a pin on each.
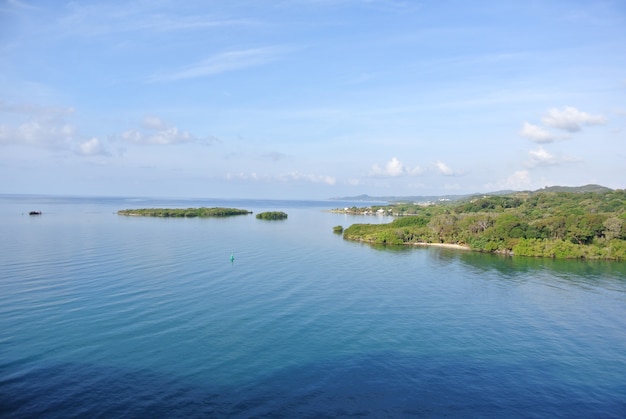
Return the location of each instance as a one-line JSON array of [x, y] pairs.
[[34, 213]]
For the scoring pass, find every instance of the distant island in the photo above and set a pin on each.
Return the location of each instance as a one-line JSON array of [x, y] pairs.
[[558, 222], [187, 212], [272, 215]]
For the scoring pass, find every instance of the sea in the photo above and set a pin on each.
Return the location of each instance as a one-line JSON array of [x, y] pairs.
[[109, 316]]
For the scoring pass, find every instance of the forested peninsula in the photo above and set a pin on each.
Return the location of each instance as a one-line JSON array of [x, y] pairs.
[[185, 212], [589, 225]]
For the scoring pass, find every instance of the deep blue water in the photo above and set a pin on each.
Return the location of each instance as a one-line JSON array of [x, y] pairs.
[[109, 316]]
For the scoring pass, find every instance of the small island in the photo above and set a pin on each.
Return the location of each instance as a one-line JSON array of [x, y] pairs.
[[271, 215], [184, 212]]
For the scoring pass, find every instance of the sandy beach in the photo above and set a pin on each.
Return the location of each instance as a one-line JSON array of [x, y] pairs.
[[446, 245]]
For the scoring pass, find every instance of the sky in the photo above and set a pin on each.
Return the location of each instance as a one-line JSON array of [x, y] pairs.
[[310, 99]]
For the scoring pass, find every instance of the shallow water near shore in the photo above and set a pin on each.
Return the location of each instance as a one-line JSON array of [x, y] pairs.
[[113, 316]]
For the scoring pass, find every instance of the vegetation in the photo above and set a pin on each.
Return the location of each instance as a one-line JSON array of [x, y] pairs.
[[544, 223], [338, 229], [188, 212], [271, 215]]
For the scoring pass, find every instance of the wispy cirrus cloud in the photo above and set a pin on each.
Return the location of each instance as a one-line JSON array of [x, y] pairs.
[[105, 19], [221, 63], [15, 4]]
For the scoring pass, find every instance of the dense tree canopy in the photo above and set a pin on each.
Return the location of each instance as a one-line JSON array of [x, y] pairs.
[[271, 215], [549, 224], [185, 212]]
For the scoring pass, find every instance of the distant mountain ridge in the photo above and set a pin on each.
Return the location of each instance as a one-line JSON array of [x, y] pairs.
[[436, 198]]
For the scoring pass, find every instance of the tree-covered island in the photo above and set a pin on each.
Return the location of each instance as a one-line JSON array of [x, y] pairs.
[[185, 212], [590, 225], [272, 215]]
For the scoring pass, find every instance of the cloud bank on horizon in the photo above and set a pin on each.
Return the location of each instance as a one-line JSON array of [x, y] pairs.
[[309, 98]]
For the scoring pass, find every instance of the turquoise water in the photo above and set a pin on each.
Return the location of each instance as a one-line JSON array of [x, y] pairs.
[[111, 316]]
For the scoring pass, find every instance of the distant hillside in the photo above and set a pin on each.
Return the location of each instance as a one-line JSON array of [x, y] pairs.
[[576, 189], [440, 198]]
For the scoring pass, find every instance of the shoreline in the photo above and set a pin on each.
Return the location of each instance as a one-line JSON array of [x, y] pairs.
[[444, 245]]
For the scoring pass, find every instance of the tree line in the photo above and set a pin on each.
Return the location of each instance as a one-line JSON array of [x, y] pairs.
[[548, 224], [185, 212]]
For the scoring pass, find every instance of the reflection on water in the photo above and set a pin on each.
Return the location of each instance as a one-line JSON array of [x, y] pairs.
[[514, 265], [376, 385], [123, 316]]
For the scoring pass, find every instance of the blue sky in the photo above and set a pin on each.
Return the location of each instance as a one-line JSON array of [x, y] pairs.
[[310, 99]]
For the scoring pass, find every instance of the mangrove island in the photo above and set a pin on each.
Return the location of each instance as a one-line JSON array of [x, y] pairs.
[[185, 212], [271, 215]]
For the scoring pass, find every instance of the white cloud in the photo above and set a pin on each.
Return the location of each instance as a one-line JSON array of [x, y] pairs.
[[394, 168], [47, 127], [171, 135], [444, 169], [44, 133], [157, 132], [541, 157], [329, 180], [571, 119], [35, 110], [536, 133], [286, 177], [92, 147], [162, 137], [519, 180], [274, 156], [620, 111], [153, 122], [221, 63]]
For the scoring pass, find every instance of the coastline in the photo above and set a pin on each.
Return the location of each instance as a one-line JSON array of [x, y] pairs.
[[444, 245]]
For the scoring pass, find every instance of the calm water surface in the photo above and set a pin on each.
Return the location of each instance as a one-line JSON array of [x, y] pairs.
[[109, 316]]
